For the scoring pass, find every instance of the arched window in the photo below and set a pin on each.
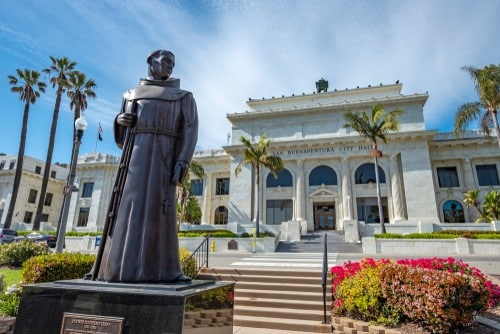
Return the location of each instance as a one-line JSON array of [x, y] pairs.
[[453, 212], [220, 215], [366, 174], [323, 175], [284, 179]]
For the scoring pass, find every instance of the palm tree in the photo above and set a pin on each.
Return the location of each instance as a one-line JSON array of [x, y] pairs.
[[61, 69], [80, 89], [373, 128], [487, 82], [29, 91], [184, 189], [258, 156]]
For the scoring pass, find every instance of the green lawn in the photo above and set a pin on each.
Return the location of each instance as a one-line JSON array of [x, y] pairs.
[[11, 276]]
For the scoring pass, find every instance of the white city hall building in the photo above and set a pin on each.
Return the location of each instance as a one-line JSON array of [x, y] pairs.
[[329, 175]]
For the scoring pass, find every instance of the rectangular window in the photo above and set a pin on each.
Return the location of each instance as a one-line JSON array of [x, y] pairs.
[[12, 164], [222, 186], [197, 187], [32, 196], [53, 174], [278, 211], [38, 169], [44, 218], [27, 217], [367, 208], [2, 164], [447, 177], [48, 199], [83, 217], [88, 187], [487, 175]]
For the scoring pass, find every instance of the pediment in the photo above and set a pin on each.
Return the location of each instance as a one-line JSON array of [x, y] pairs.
[[323, 192]]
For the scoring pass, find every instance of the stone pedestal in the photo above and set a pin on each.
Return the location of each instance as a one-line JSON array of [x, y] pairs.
[[351, 231], [190, 308]]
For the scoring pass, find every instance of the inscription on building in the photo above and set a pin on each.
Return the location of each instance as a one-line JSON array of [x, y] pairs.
[[323, 150]]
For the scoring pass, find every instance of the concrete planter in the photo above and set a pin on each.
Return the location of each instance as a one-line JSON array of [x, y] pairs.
[[373, 245]]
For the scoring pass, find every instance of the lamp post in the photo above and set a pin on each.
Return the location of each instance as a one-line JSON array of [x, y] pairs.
[[80, 126]]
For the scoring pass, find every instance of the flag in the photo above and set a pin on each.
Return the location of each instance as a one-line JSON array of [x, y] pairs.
[[99, 132]]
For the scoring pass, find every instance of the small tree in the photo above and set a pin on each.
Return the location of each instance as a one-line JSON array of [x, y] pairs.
[[374, 127], [490, 210], [192, 211], [258, 156], [487, 83], [184, 189]]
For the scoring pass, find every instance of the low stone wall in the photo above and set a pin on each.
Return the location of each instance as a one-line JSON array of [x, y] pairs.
[[373, 245], [87, 244], [7, 325], [343, 325]]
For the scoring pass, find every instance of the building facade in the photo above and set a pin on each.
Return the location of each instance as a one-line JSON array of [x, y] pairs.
[[329, 176], [29, 190]]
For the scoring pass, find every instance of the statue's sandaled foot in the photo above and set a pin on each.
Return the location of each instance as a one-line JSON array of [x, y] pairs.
[[88, 276], [181, 279]]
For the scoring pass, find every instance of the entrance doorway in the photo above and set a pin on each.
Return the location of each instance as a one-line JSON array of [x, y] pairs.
[[324, 216]]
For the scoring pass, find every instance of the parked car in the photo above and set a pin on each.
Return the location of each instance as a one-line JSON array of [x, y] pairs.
[[39, 237], [7, 236]]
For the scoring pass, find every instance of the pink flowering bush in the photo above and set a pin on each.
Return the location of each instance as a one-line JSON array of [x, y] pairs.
[[439, 294]]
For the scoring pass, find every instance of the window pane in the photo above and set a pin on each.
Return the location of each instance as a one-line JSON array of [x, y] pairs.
[[284, 179], [27, 217], [83, 217], [222, 186], [197, 187], [53, 174], [453, 212], [367, 209], [38, 169], [487, 175], [44, 218], [88, 187], [32, 196], [447, 177], [322, 175], [220, 215], [278, 211], [48, 199], [366, 174]]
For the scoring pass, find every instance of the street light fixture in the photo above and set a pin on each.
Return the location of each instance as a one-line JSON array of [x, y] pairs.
[[80, 126]]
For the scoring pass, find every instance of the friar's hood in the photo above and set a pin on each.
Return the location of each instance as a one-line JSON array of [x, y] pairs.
[[168, 90]]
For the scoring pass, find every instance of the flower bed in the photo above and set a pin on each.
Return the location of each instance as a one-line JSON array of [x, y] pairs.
[[437, 294]]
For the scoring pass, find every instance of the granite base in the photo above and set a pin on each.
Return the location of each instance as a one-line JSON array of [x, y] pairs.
[[187, 308]]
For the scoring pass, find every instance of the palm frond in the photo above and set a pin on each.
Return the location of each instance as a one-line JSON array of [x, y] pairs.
[[465, 114]]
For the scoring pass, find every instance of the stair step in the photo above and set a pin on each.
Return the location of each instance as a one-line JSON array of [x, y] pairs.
[[291, 295], [284, 313], [261, 278], [264, 272], [317, 288], [278, 303], [309, 326]]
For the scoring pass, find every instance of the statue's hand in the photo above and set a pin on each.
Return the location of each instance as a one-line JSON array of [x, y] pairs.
[[180, 171], [126, 119]]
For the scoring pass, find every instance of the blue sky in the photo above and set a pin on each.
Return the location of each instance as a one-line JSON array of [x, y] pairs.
[[227, 51]]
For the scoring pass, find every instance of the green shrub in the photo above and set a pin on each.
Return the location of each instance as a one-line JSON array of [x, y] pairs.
[[442, 235], [203, 233], [2, 282], [188, 265], [56, 266], [9, 301], [361, 297], [15, 253], [439, 301]]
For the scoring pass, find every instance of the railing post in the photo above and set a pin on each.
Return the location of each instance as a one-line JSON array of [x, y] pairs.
[[323, 281], [208, 247]]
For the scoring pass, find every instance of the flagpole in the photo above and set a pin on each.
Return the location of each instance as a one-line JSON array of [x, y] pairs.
[[99, 130]]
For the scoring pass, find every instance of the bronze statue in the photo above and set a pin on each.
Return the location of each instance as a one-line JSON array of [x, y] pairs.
[[157, 129]]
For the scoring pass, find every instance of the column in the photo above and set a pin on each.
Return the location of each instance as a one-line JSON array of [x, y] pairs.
[[397, 195], [468, 184], [207, 195], [299, 194], [346, 190]]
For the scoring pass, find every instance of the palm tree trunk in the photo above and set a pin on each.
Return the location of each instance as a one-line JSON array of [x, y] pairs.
[[493, 116], [379, 198], [19, 166], [48, 161], [257, 183]]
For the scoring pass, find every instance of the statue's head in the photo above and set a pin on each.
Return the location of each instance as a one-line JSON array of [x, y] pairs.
[[160, 64]]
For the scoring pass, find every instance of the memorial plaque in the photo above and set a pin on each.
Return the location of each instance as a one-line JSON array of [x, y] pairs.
[[90, 324], [232, 245]]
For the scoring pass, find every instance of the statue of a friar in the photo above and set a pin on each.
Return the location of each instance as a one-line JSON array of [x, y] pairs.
[[157, 130]]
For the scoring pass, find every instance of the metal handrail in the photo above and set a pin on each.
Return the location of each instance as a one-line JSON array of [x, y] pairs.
[[323, 278], [200, 256]]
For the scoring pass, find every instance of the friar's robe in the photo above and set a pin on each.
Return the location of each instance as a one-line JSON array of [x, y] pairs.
[[142, 245]]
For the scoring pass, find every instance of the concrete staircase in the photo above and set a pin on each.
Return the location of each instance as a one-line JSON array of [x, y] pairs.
[[276, 299]]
